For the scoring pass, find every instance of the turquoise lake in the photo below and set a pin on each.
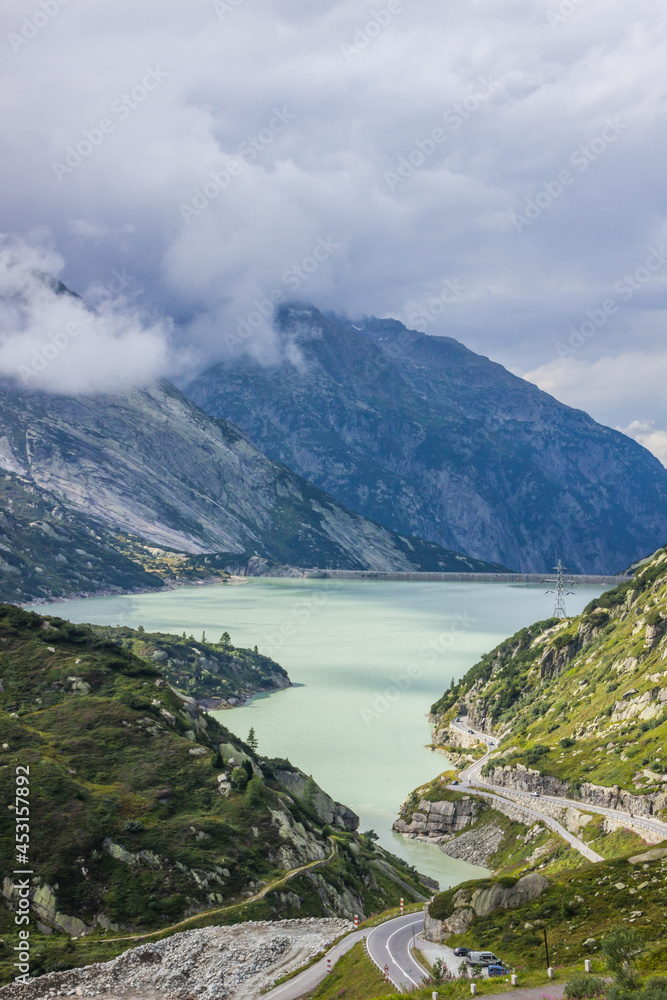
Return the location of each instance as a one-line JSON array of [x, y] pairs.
[[366, 658]]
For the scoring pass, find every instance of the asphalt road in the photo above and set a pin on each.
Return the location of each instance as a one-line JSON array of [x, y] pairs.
[[388, 944], [472, 777], [310, 978]]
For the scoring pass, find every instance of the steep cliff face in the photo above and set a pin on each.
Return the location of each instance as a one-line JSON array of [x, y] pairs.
[[427, 437], [580, 704], [150, 464]]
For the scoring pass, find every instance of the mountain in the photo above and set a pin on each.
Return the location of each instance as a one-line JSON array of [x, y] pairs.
[[144, 811], [580, 704], [423, 435], [152, 466]]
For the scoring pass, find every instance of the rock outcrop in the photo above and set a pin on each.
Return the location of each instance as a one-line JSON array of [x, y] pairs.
[[469, 903], [614, 797], [438, 820], [333, 813]]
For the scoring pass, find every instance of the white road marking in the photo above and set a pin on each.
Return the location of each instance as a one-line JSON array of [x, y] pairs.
[[413, 924]]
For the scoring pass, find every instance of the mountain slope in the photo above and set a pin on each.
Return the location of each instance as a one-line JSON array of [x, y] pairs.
[[427, 437], [580, 705], [150, 464], [144, 810]]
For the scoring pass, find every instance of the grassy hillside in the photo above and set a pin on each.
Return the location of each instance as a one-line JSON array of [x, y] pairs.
[[583, 700], [576, 907], [144, 811]]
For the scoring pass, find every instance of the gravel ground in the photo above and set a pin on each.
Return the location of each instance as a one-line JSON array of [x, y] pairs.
[[216, 963]]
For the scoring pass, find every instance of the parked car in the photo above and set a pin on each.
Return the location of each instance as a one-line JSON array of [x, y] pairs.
[[535, 795], [471, 732], [483, 958], [455, 782], [498, 970], [461, 952]]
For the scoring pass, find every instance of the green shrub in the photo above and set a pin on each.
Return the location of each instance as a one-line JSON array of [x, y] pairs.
[[239, 779], [253, 792], [581, 985]]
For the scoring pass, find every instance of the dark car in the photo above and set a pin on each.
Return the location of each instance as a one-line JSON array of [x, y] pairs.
[[498, 970], [461, 952]]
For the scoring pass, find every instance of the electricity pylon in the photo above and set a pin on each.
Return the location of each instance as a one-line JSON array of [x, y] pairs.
[[560, 592]]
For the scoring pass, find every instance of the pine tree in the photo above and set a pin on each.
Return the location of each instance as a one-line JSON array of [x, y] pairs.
[[203, 637], [225, 639], [252, 740]]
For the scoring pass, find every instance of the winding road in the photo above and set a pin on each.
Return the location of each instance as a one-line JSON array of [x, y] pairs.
[[472, 778], [389, 947]]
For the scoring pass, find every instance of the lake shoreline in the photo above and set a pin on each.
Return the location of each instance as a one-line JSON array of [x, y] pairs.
[[366, 661]]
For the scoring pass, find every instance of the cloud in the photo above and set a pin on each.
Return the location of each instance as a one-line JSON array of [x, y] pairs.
[[306, 116], [629, 385], [645, 432], [50, 338]]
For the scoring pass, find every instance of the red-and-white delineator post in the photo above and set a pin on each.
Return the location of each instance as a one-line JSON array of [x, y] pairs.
[[356, 921], [328, 966], [402, 905], [386, 973]]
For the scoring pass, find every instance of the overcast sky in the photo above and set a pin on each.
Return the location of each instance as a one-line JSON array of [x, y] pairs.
[[493, 171]]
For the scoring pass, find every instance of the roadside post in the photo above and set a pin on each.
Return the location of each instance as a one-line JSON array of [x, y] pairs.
[[328, 966], [550, 973], [356, 922], [402, 905], [386, 973], [588, 965], [546, 948]]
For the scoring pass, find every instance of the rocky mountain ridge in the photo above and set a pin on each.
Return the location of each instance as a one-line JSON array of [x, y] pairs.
[[146, 471], [422, 434]]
